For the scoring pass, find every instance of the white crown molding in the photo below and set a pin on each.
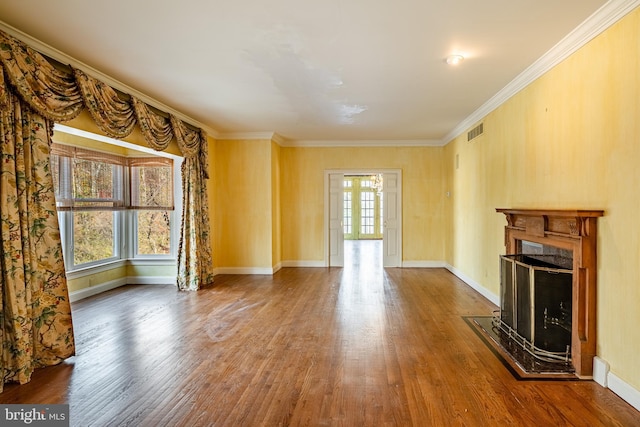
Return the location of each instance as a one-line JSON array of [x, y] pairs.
[[235, 136], [364, 143], [286, 142], [610, 13], [279, 139], [63, 58], [273, 136]]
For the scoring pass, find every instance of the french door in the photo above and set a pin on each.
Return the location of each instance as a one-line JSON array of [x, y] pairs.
[[363, 208], [389, 211]]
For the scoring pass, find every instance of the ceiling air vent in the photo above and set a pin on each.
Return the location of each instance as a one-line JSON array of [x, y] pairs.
[[475, 132]]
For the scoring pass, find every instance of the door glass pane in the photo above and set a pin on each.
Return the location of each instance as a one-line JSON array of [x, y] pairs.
[[348, 210], [367, 212], [381, 201]]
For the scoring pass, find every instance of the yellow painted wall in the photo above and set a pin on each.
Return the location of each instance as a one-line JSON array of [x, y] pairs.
[[212, 197], [571, 139], [303, 196], [276, 216], [243, 209]]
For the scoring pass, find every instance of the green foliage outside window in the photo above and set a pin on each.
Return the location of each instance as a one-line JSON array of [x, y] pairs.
[[154, 233], [92, 236]]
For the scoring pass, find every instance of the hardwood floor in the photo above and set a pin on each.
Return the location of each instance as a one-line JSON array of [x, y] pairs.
[[353, 346]]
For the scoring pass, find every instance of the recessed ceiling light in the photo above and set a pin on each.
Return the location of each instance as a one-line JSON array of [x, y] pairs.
[[454, 59]]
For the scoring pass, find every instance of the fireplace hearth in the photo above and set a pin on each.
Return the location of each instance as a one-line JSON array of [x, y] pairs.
[[548, 287]]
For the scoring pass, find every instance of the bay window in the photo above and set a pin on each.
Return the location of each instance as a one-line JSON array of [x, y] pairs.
[[112, 207]]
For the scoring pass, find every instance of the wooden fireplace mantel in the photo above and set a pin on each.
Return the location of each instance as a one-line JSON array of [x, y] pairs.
[[575, 230]]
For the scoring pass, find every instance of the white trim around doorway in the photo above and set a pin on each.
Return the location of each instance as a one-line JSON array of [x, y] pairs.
[[363, 171]]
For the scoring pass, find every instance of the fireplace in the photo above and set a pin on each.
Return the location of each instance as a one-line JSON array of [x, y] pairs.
[[549, 296]]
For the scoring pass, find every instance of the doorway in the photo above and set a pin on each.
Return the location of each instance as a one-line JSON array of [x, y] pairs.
[[362, 220], [382, 216], [363, 207]]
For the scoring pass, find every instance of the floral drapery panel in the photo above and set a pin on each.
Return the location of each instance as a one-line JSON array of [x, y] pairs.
[[36, 319], [195, 262]]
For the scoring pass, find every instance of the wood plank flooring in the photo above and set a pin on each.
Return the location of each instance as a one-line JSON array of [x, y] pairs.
[[353, 346]]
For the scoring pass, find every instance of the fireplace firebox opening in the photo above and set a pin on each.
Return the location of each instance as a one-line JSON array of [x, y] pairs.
[[535, 310]]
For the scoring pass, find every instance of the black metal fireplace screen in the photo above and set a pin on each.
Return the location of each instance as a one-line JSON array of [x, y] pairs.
[[536, 297]]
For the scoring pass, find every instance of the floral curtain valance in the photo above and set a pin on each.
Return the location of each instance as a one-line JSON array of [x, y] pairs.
[[155, 128], [114, 116], [61, 95], [47, 90]]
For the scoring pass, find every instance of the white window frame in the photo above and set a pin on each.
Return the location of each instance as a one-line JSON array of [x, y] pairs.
[[174, 220], [66, 220], [124, 221]]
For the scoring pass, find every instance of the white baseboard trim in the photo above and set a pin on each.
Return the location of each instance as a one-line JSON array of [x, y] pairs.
[[624, 390], [112, 284], [303, 264], [424, 264], [600, 371], [603, 376], [277, 267], [151, 280], [245, 270], [97, 289], [495, 299]]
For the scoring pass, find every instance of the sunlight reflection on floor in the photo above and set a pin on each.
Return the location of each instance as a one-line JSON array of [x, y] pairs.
[[361, 306]]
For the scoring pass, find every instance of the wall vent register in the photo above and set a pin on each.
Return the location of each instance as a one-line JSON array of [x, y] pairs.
[[475, 132]]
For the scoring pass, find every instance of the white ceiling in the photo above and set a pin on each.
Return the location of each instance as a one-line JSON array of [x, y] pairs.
[[330, 70]]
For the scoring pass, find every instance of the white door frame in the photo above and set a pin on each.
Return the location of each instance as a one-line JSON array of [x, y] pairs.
[[327, 207]]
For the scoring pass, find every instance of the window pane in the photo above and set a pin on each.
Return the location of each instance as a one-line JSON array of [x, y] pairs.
[[152, 186], [92, 180], [96, 184], [154, 232], [93, 236]]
